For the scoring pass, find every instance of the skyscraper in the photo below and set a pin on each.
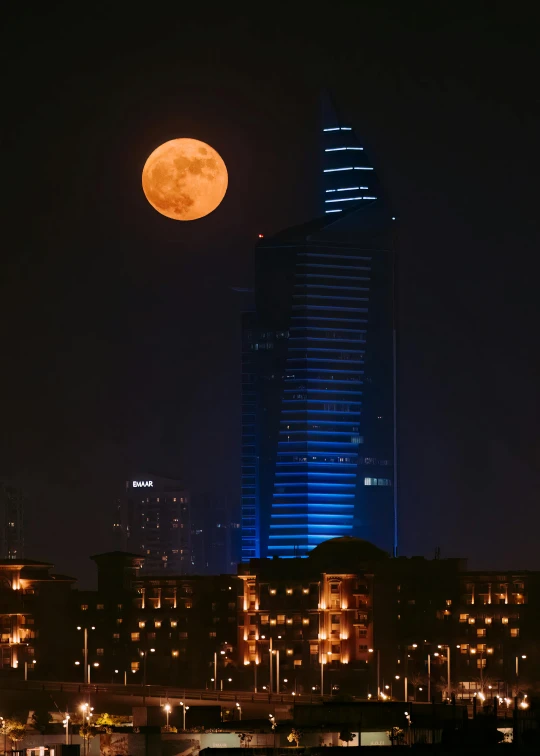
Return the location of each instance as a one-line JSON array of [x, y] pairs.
[[11, 521], [318, 370], [153, 520]]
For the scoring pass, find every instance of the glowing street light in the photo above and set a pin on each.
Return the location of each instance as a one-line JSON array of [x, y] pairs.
[[86, 665], [184, 709], [239, 710], [167, 708]]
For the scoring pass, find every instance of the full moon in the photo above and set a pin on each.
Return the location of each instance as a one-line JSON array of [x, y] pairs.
[[184, 179]]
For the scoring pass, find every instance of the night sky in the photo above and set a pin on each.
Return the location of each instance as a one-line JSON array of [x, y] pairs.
[[120, 331]]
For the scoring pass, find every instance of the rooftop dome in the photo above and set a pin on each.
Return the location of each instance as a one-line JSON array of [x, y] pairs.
[[345, 553]]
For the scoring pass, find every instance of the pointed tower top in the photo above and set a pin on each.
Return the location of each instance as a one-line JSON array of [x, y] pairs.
[[349, 180]]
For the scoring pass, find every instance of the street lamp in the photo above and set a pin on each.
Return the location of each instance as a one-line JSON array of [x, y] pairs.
[[167, 708], [65, 722], [86, 667], [144, 654], [184, 709], [239, 710], [448, 685], [371, 651], [26, 669], [523, 656]]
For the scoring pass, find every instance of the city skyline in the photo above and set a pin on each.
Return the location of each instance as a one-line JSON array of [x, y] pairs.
[[120, 330]]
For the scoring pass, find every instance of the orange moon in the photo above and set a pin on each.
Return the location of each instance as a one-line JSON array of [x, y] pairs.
[[184, 179]]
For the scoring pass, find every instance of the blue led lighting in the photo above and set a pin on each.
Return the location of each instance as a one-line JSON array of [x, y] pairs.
[[313, 505], [320, 495], [349, 199], [335, 170], [347, 189], [340, 149], [310, 536], [316, 328], [345, 128], [310, 525], [333, 211], [362, 168], [335, 128], [313, 515], [314, 306]]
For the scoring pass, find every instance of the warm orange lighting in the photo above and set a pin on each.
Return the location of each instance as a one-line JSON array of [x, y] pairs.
[[184, 179]]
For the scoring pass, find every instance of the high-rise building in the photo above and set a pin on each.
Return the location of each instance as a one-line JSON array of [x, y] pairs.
[[318, 398], [153, 519], [215, 535], [11, 521]]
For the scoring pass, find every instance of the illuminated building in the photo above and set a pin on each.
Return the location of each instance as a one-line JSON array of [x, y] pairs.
[[11, 521], [185, 619], [318, 407], [153, 518], [33, 603]]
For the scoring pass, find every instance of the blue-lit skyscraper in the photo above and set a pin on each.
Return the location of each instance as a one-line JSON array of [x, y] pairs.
[[318, 370]]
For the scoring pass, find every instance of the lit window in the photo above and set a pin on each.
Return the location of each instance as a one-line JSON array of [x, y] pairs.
[[448, 602], [514, 632], [481, 632], [100, 651], [189, 605], [481, 663], [463, 617], [116, 636], [272, 591], [119, 607], [289, 652], [157, 623], [504, 620], [135, 636], [281, 619], [100, 606], [471, 620], [84, 607], [174, 623], [289, 591], [488, 620], [134, 666], [142, 624]]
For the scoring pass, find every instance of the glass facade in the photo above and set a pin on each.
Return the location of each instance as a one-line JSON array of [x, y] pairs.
[[318, 377]]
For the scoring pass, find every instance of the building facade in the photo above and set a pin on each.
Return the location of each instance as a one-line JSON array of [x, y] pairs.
[[12, 504], [34, 608], [153, 519], [318, 400], [160, 628]]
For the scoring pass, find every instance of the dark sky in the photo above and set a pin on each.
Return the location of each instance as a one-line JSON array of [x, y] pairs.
[[119, 329]]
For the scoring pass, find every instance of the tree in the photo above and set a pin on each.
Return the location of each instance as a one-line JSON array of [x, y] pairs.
[[245, 739], [396, 735], [417, 681], [88, 731], [346, 736], [40, 720], [295, 736], [109, 720], [14, 729]]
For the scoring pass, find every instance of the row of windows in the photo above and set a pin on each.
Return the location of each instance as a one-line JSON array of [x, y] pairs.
[[377, 482]]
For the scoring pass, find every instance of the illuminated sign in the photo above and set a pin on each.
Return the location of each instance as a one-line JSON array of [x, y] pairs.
[[143, 484]]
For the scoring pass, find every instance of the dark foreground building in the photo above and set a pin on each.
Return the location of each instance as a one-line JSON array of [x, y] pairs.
[[318, 371]]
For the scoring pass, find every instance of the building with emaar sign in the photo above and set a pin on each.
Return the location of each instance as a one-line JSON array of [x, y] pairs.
[[318, 399], [153, 519]]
